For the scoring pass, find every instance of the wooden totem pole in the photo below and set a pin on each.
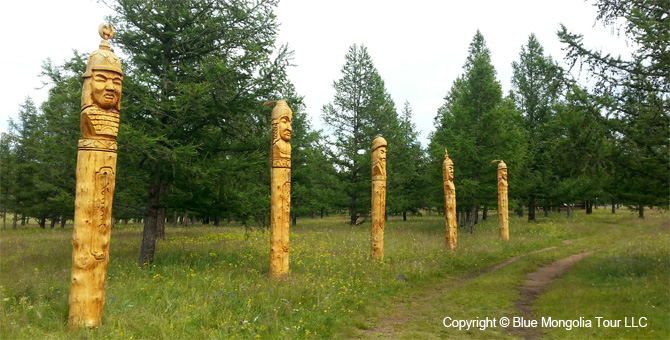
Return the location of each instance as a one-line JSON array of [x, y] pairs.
[[378, 196], [449, 200], [280, 195], [96, 172], [503, 205]]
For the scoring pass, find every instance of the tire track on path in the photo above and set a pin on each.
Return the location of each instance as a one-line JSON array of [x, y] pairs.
[[401, 313], [536, 282]]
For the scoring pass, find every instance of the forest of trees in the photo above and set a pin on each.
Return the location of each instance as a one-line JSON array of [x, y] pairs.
[[194, 138]]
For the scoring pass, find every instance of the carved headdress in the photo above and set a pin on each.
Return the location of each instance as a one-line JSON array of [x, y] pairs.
[[501, 164], [447, 160], [378, 142], [280, 110]]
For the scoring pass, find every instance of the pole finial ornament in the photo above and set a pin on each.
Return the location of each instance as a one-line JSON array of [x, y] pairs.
[[103, 59]]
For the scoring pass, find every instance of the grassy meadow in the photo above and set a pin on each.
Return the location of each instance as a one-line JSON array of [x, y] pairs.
[[212, 282]]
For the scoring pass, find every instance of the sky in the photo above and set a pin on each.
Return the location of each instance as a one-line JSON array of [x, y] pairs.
[[419, 47]]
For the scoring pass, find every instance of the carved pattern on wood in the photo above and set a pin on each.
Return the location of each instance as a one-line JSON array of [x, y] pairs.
[[378, 211], [280, 194], [96, 166], [503, 203], [449, 201], [98, 144]]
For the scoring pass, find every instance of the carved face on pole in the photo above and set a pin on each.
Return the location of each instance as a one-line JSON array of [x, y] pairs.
[[106, 88], [285, 128], [502, 172], [281, 126], [379, 155], [103, 77], [449, 164]]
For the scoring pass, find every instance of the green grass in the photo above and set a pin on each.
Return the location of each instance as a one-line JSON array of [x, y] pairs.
[[212, 282], [626, 280]]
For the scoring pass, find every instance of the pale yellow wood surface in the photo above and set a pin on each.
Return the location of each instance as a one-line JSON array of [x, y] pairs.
[[96, 174], [378, 211], [449, 201], [280, 195], [503, 204], [90, 240]]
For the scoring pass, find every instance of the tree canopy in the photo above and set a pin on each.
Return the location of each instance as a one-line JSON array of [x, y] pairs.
[[194, 137]]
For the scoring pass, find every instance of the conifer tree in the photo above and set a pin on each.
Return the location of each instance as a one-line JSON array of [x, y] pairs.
[[196, 77], [476, 126], [537, 88], [361, 109], [405, 168], [635, 96]]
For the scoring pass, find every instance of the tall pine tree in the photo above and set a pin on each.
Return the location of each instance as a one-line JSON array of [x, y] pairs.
[[537, 86], [196, 77], [476, 126], [361, 109], [635, 95]]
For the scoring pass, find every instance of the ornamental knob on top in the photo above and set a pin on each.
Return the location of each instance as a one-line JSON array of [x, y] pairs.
[[103, 58]]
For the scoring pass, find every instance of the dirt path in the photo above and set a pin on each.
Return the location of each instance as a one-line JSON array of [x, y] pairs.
[[535, 283], [403, 312]]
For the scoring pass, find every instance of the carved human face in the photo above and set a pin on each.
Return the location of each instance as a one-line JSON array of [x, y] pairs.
[[285, 128], [106, 88], [450, 171], [381, 154], [503, 174]]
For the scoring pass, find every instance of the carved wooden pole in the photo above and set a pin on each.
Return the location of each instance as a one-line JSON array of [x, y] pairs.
[[503, 205], [378, 196], [280, 195], [449, 200], [96, 172]]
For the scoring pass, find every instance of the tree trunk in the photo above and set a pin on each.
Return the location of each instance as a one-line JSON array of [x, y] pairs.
[[404, 216], [485, 213], [569, 210], [217, 221], [63, 220], [53, 222], [23, 220], [353, 214], [151, 219], [546, 211], [613, 207], [640, 211], [184, 219], [476, 214], [160, 223], [531, 208], [472, 218], [42, 222], [294, 219], [589, 207], [14, 221]]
